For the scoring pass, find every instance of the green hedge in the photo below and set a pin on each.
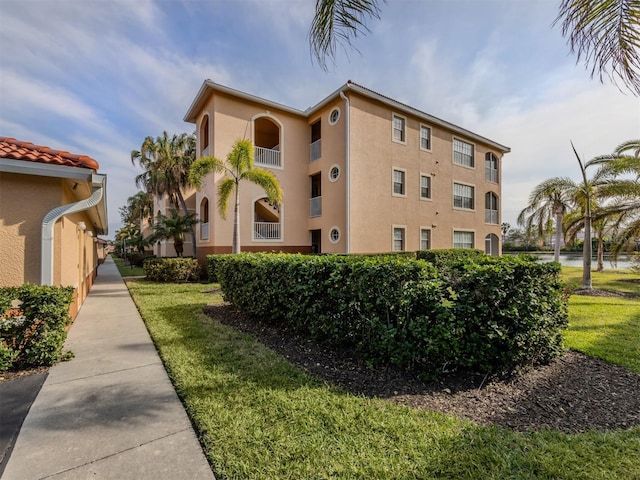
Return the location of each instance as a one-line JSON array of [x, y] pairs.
[[487, 314], [33, 333], [444, 257], [178, 270]]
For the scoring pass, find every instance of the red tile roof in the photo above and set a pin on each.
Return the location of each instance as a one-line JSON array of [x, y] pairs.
[[18, 150]]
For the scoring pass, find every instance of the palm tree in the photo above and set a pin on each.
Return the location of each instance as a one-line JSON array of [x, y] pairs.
[[604, 32], [549, 200], [166, 162], [239, 166], [174, 227]]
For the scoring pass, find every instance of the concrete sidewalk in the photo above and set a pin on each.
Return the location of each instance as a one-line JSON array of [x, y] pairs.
[[111, 412]]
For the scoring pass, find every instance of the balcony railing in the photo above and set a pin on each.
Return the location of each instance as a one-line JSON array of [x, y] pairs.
[[204, 231], [315, 207], [266, 231], [491, 174], [269, 157], [491, 216], [315, 150]]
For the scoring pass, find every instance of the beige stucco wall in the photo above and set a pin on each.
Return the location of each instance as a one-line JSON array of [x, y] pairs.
[[24, 201], [375, 210]]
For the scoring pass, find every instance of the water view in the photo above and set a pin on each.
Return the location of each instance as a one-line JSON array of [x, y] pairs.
[[575, 260]]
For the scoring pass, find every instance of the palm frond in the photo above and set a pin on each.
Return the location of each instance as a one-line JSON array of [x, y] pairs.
[[225, 189], [268, 181], [605, 34], [338, 22]]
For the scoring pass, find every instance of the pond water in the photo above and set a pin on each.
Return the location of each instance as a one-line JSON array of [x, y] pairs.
[[575, 260]]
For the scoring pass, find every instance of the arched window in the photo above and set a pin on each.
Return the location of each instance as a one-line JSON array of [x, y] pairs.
[[204, 219], [491, 244], [267, 141], [204, 135], [491, 167], [491, 208]]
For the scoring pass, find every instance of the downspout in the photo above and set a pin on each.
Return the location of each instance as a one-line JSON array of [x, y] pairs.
[[347, 173], [46, 269]]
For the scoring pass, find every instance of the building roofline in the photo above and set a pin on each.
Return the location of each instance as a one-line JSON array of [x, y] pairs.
[[209, 86]]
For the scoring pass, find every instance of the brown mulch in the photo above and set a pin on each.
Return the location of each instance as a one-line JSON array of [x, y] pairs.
[[574, 393], [13, 375], [596, 292]]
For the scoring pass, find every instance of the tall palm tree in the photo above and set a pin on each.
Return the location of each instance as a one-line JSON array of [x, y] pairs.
[[174, 227], [166, 162], [549, 200], [603, 32], [239, 166]]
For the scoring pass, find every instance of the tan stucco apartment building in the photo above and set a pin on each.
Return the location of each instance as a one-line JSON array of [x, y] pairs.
[[52, 207], [361, 173]]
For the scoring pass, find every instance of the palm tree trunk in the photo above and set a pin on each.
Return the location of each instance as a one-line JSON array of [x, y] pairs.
[[192, 233], [235, 248], [600, 250], [556, 250], [586, 254]]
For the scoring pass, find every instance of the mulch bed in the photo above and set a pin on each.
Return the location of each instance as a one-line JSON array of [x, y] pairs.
[[574, 393]]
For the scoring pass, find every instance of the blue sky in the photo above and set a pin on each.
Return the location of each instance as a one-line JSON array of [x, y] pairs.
[[95, 77]]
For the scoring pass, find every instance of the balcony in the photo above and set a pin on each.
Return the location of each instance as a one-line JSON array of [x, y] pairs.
[[491, 174], [315, 150], [491, 216], [204, 231], [315, 207], [267, 157], [266, 231]]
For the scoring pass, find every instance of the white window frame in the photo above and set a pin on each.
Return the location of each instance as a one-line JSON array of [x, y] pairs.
[[424, 175], [337, 229], [462, 230], [473, 153], [403, 141], [402, 228], [423, 126], [473, 197], [331, 179], [393, 182], [425, 229], [334, 109], [497, 209]]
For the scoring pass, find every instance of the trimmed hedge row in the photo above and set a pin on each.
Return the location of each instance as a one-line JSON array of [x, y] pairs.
[[33, 332], [178, 270], [487, 314]]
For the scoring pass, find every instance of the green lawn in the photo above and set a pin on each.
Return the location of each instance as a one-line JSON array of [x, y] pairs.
[[262, 418], [127, 270], [605, 327]]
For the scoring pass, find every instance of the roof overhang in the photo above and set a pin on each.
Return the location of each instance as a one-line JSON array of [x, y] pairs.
[[82, 181], [209, 87]]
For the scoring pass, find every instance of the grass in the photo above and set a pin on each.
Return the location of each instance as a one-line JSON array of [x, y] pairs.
[[605, 327], [127, 270], [259, 417]]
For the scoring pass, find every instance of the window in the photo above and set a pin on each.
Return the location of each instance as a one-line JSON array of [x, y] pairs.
[[463, 196], [491, 167], [425, 187], [399, 127], [204, 219], [398, 182], [463, 239], [462, 153], [334, 116], [491, 208], [204, 135], [425, 239], [334, 173], [398, 239], [425, 137], [334, 235]]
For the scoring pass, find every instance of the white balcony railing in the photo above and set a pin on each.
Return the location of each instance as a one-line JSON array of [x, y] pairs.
[[269, 157], [315, 150], [315, 207], [266, 231], [491, 174], [204, 231], [491, 216]]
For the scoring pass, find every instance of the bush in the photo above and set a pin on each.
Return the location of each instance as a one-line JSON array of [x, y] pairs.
[[635, 262], [33, 332], [483, 313], [178, 270], [212, 264], [137, 259], [442, 258]]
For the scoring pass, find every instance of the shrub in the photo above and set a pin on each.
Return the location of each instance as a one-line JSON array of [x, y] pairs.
[[178, 270], [33, 332], [442, 258], [484, 313], [635, 262], [212, 264]]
